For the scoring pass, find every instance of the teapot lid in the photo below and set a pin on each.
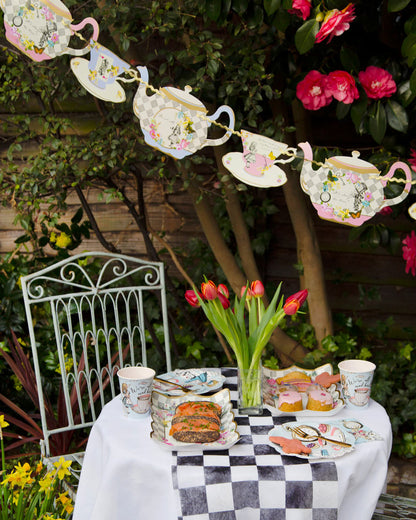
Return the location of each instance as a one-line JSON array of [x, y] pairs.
[[352, 163], [184, 98]]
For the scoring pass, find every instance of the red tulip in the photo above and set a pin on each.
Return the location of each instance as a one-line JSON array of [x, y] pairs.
[[225, 302], [191, 298], [223, 289], [257, 289], [295, 302], [248, 294], [209, 290]]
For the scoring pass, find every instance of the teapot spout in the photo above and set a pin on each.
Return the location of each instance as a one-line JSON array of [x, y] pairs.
[[307, 150]]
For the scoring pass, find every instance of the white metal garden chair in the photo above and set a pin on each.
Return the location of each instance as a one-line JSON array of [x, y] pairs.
[[99, 305]]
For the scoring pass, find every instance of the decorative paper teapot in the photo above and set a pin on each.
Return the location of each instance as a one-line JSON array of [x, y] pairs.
[[41, 29], [347, 189], [174, 121]]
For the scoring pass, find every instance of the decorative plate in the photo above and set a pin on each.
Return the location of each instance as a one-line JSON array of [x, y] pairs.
[[321, 449], [271, 397], [197, 380], [163, 409]]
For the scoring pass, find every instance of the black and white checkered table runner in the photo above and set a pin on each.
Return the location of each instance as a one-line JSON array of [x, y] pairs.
[[251, 481]]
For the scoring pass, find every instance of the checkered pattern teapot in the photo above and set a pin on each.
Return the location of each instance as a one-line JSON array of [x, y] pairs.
[[41, 29], [175, 122], [348, 190]]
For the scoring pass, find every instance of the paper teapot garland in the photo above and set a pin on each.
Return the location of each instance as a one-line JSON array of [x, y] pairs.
[[346, 190], [41, 29]]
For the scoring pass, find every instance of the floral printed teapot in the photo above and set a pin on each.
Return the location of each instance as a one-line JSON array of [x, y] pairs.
[[41, 29], [174, 121], [347, 189]]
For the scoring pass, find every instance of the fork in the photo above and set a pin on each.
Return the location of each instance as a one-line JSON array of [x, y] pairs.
[[306, 436]]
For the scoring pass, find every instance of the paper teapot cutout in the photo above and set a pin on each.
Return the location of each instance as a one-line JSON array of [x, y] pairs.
[[175, 122], [346, 189], [41, 29]]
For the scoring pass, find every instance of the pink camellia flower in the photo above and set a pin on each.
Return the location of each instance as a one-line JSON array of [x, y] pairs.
[[209, 290], [225, 302], [377, 82], [191, 298], [257, 289], [335, 23], [409, 252], [295, 302], [312, 91], [223, 289], [386, 211], [341, 85], [412, 160], [301, 8]]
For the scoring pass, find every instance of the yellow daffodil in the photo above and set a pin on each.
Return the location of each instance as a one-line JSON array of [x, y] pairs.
[[62, 466], [39, 467], [45, 484], [3, 423]]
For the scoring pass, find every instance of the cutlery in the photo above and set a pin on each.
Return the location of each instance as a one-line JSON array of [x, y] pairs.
[[172, 383], [312, 437]]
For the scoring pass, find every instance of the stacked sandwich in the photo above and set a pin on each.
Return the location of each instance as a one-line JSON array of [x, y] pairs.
[[196, 421]]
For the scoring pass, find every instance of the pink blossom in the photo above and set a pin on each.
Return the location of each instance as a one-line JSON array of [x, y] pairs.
[[386, 211], [301, 8], [312, 91], [342, 86], [377, 82], [412, 160], [335, 23], [409, 253]]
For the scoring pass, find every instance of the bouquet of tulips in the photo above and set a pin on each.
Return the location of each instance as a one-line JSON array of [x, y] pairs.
[[27, 493], [248, 325]]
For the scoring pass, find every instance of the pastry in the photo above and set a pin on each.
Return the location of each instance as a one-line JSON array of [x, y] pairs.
[[294, 446], [289, 401], [196, 422], [326, 380], [319, 400]]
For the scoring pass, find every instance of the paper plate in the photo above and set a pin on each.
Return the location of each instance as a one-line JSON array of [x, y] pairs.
[[196, 380], [273, 177], [113, 92], [163, 409], [321, 449]]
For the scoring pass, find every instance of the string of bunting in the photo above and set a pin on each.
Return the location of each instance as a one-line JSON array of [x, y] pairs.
[[347, 190]]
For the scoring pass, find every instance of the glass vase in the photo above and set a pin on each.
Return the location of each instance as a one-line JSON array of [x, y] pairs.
[[250, 391]]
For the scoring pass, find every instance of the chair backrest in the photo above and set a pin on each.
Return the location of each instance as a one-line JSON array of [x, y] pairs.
[[100, 306]]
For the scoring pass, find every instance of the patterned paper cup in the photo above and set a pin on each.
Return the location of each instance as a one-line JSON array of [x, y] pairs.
[[356, 378], [136, 388]]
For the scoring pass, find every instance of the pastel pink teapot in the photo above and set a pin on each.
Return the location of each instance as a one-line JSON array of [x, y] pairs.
[[346, 189]]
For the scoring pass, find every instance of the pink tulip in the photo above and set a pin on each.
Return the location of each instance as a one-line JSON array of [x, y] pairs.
[[257, 289], [209, 290], [295, 302], [335, 23], [248, 294], [312, 91], [223, 289], [377, 82], [191, 298]]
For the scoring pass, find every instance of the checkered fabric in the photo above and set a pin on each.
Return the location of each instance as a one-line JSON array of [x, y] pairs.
[[251, 481]]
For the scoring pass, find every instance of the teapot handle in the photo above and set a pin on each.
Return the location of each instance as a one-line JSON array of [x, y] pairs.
[[221, 140], [96, 32], [406, 190]]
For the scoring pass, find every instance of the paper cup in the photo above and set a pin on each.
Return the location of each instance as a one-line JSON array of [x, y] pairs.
[[356, 378], [136, 389]]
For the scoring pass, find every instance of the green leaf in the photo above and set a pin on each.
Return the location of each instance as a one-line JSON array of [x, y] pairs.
[[349, 59], [413, 82], [342, 110], [213, 9], [22, 239], [397, 5], [271, 6], [358, 111], [240, 6], [397, 116], [305, 36], [377, 122]]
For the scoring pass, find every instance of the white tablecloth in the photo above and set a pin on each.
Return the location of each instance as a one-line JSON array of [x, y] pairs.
[[126, 475]]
